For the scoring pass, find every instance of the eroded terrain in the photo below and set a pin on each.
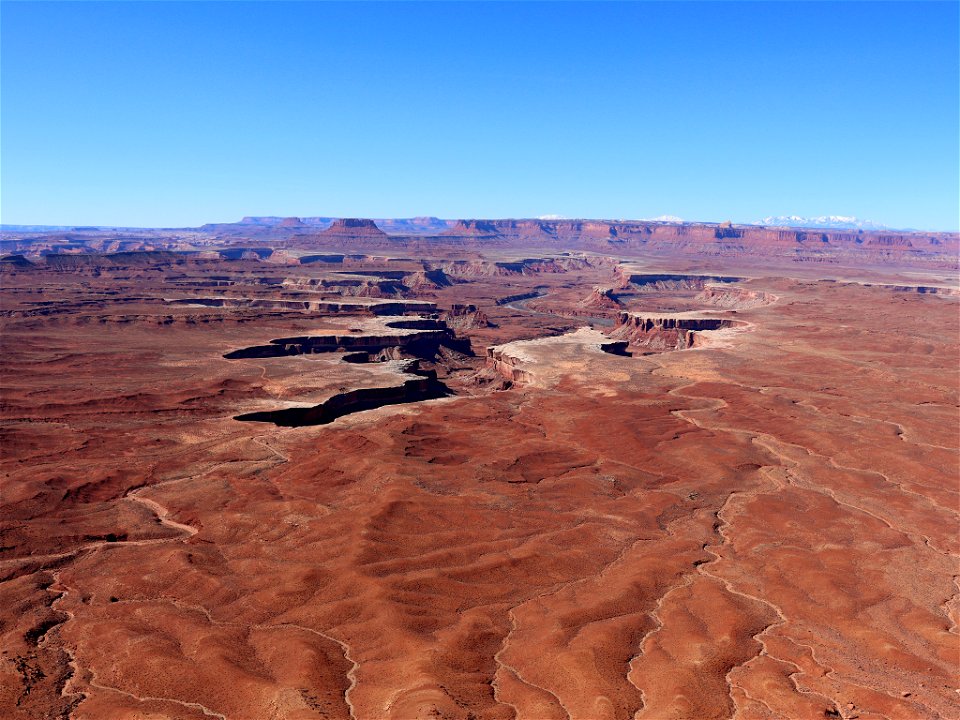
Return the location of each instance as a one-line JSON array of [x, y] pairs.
[[509, 483]]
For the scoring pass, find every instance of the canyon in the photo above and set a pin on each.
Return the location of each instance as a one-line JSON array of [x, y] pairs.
[[479, 469]]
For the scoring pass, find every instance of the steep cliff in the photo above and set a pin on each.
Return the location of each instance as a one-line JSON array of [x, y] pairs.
[[664, 332], [353, 228]]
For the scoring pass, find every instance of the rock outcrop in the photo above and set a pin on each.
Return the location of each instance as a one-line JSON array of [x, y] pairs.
[[465, 317], [353, 229], [601, 299], [734, 298], [656, 282], [426, 280], [543, 361], [63, 262], [665, 332], [14, 262], [474, 228]]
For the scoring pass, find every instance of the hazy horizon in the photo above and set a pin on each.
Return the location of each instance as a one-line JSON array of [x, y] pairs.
[[179, 114], [869, 223]]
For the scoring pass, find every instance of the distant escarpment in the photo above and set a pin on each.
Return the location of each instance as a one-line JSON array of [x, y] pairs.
[[665, 332], [624, 237], [705, 239], [63, 262], [921, 289], [353, 228], [474, 228]]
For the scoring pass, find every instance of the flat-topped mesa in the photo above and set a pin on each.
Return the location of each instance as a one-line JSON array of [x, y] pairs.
[[116, 261], [734, 298], [543, 361], [353, 228], [666, 332], [943, 291], [668, 281], [373, 289], [587, 229], [480, 268], [13, 262], [524, 266], [474, 228]]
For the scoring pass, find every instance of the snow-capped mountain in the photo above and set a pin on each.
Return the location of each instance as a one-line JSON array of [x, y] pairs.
[[840, 222], [665, 219]]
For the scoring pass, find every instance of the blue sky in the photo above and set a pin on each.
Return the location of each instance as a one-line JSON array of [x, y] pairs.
[[175, 114]]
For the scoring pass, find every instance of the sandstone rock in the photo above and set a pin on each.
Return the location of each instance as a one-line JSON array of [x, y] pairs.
[[601, 299], [353, 228]]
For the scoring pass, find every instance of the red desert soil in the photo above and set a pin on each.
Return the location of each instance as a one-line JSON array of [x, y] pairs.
[[762, 525]]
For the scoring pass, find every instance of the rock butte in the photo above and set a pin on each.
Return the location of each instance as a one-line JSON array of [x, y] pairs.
[[322, 468]]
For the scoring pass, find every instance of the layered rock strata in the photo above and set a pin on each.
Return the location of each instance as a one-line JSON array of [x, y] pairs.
[[665, 332]]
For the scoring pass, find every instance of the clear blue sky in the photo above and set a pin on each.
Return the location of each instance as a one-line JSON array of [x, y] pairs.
[[170, 114]]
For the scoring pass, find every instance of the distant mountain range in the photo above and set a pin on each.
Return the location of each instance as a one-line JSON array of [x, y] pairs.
[[421, 225], [833, 222]]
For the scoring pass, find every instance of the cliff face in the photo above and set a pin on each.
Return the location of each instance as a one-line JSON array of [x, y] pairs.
[[12, 262], [64, 262], [703, 238], [526, 266], [474, 228], [664, 332], [353, 228], [507, 365], [735, 298], [656, 282], [422, 235]]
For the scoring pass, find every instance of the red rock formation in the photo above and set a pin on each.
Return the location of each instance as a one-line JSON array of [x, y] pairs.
[[734, 298], [353, 229], [765, 528], [474, 228], [601, 299], [425, 280], [665, 332], [465, 317]]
